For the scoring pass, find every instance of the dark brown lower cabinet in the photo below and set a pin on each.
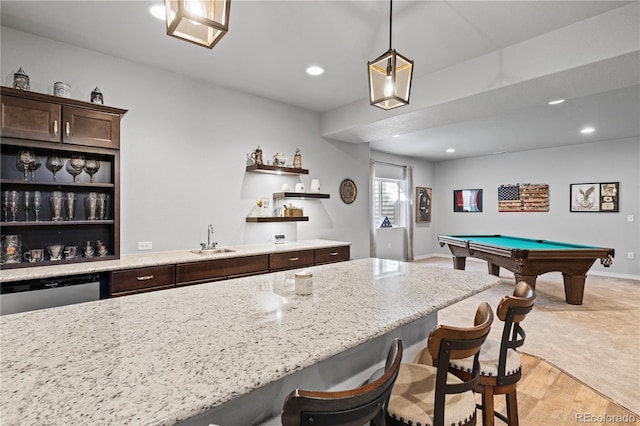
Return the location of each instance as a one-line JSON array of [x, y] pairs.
[[139, 280], [220, 269]]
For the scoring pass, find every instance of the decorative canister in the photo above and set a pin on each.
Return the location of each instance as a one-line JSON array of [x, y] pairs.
[[11, 249], [304, 282], [96, 96], [62, 89], [256, 156], [21, 80]]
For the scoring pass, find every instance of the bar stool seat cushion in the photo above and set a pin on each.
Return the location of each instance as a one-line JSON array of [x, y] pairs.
[[489, 356], [413, 395]]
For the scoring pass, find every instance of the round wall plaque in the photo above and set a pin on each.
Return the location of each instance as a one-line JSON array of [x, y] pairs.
[[348, 191]]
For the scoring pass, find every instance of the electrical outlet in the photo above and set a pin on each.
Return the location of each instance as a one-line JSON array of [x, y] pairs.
[[630, 255], [630, 218], [389, 245], [145, 245]]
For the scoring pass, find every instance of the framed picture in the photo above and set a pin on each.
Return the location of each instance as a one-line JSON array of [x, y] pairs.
[[603, 197], [423, 204], [467, 200]]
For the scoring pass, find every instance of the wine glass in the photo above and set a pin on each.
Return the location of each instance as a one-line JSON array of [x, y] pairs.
[[6, 199], [37, 203], [25, 158], [54, 164], [34, 165], [26, 204], [13, 204], [75, 165], [91, 166]]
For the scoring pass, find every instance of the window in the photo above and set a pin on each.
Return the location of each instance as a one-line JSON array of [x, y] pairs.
[[387, 195]]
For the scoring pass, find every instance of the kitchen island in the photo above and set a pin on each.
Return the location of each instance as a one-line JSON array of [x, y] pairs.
[[163, 357]]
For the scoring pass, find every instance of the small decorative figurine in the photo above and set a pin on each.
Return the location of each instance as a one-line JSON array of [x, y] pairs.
[[21, 80], [256, 156], [96, 96], [297, 159]]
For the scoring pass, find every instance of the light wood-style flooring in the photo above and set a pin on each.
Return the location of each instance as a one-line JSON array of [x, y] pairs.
[[548, 396]]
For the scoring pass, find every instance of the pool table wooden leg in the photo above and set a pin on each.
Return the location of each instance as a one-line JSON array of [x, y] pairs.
[[493, 269], [459, 262], [573, 288], [529, 279]]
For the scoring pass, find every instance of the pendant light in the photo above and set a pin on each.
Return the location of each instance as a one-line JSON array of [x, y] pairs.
[[390, 77], [203, 22]]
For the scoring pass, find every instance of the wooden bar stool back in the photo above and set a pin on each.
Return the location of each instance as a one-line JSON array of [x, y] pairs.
[[353, 407], [428, 395], [500, 366]]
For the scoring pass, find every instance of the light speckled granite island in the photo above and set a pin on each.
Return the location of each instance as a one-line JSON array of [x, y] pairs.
[[182, 354]]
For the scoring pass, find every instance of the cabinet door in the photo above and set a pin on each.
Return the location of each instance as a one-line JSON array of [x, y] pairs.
[[291, 260], [142, 279], [30, 119], [219, 269], [332, 254], [91, 128]]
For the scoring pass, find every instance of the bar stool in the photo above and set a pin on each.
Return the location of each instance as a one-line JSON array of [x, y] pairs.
[[426, 395], [500, 365], [353, 407]]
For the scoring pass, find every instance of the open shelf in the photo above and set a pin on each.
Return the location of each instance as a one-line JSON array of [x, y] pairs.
[[277, 219], [276, 170], [30, 223], [301, 195]]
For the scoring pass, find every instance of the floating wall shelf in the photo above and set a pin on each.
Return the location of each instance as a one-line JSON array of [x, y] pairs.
[[276, 170], [252, 219]]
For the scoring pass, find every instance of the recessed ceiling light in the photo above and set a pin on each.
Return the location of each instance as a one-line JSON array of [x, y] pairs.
[[395, 136], [158, 11], [587, 130], [450, 150], [315, 70], [556, 102]]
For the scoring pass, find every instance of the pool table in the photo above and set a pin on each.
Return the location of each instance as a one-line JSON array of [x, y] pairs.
[[528, 258]]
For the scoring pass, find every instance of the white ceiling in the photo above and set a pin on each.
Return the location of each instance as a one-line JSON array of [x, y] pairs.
[[271, 43]]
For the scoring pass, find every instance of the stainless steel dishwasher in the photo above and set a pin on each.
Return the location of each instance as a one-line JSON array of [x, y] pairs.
[[45, 293]]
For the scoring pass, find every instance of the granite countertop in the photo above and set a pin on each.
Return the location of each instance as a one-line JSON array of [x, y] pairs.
[[141, 260], [161, 357]]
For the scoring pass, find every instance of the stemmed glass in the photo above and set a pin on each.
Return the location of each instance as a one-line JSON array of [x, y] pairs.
[[75, 165], [13, 204], [34, 165], [6, 200], [37, 203], [26, 204], [54, 164], [91, 166], [25, 158]]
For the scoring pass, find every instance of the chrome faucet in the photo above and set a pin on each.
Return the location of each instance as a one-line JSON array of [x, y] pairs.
[[209, 245]]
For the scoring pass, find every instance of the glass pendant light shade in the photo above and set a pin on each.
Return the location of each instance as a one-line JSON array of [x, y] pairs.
[[390, 80], [202, 22]]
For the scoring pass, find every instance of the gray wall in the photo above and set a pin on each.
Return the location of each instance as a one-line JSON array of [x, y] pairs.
[[608, 161], [184, 148]]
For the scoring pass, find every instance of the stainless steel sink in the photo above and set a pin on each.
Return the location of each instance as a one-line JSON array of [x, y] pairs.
[[212, 251]]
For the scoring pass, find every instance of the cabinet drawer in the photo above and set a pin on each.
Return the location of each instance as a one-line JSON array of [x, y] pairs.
[[291, 260], [210, 270], [30, 119], [332, 254], [142, 278]]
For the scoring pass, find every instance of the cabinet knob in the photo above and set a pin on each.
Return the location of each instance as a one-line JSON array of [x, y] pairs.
[[145, 278], [294, 259], [334, 253], [55, 127], [67, 128]]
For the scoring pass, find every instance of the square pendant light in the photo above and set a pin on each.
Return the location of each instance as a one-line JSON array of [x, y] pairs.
[[390, 80], [390, 76], [202, 22]]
